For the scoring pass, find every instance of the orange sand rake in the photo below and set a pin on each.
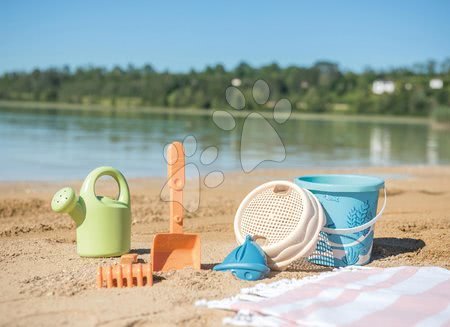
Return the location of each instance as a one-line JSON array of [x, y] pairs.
[[176, 250], [128, 273]]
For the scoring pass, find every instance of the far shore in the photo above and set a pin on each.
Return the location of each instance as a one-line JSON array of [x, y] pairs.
[[28, 106]]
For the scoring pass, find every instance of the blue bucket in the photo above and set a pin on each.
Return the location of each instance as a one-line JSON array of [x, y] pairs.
[[350, 206]]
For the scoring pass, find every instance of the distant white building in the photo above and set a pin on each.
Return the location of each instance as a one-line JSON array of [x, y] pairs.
[[380, 87], [304, 84], [436, 84], [236, 82]]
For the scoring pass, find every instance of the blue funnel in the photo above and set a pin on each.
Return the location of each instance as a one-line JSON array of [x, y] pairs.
[[247, 261]]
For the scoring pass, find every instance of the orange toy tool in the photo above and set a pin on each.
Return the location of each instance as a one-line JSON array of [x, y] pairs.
[[176, 250], [128, 273]]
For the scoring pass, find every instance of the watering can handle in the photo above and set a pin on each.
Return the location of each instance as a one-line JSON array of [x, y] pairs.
[[176, 180], [88, 187], [359, 228]]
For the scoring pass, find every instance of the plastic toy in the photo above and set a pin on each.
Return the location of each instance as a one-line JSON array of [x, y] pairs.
[[247, 261], [103, 224], [176, 250], [350, 203], [128, 273], [128, 258], [288, 217]]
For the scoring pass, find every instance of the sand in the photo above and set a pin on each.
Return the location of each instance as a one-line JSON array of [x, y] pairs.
[[44, 282]]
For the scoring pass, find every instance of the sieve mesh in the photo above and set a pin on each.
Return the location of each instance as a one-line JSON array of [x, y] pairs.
[[272, 216]]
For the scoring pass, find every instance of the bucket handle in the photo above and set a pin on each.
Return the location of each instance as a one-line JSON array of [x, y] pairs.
[[358, 228]]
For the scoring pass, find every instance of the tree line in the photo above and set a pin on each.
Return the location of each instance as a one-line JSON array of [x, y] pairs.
[[322, 87]]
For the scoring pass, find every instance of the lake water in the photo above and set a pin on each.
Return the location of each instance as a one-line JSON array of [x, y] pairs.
[[53, 145]]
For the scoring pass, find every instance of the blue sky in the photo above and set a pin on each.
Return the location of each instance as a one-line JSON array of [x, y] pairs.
[[179, 35]]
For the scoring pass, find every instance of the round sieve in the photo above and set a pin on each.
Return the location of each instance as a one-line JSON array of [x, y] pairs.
[[287, 218]]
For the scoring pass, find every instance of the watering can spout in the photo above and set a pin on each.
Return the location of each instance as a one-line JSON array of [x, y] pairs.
[[66, 200]]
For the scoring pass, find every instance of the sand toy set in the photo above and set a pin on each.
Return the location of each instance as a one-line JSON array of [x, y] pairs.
[[328, 219], [104, 227]]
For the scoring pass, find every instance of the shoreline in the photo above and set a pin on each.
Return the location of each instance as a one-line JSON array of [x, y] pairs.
[[138, 110], [259, 172]]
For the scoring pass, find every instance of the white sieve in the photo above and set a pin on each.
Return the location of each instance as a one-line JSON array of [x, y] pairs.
[[286, 216]]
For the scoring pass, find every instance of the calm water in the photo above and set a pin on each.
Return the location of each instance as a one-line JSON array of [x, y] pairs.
[[55, 145]]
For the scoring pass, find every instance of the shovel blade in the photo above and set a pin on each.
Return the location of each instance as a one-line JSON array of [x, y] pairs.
[[173, 251]]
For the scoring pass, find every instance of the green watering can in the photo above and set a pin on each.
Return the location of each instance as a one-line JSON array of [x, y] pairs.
[[103, 224]]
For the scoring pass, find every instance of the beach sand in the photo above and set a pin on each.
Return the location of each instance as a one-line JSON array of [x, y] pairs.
[[44, 282]]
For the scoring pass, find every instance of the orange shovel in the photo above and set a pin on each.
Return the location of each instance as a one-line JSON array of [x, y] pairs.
[[176, 250]]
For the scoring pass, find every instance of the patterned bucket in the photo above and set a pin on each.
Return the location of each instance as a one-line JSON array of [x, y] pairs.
[[350, 206]]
